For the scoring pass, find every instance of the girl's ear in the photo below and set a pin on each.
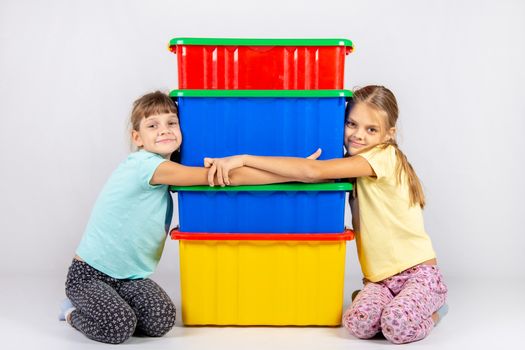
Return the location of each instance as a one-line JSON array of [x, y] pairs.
[[391, 134], [137, 140]]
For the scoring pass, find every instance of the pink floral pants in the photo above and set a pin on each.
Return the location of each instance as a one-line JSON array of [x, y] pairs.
[[400, 306]]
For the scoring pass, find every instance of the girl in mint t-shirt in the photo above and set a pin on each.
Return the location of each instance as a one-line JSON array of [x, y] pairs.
[[110, 294]]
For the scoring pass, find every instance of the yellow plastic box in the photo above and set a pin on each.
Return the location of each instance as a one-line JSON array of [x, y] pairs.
[[262, 279]]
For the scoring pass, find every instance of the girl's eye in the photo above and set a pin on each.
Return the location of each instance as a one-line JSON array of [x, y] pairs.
[[372, 130], [151, 126], [350, 124], [173, 123]]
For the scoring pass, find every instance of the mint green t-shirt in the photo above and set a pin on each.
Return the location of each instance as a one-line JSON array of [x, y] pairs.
[[125, 235]]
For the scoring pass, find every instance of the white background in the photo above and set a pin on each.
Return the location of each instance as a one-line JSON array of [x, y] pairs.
[[69, 71]]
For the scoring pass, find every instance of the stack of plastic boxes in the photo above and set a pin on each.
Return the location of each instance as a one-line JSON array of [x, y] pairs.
[[269, 254]]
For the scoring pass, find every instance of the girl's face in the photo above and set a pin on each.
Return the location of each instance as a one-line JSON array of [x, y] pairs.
[[159, 133], [364, 127]]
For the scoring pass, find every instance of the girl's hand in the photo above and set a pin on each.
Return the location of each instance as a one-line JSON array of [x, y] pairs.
[[315, 155], [222, 167]]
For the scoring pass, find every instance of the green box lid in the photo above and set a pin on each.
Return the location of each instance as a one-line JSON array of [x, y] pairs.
[[262, 93], [290, 187], [262, 42]]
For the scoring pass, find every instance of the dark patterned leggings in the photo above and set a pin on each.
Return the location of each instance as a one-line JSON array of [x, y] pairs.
[[111, 310]]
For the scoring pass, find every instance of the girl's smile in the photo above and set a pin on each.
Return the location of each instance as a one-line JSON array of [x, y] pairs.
[[356, 144], [166, 140]]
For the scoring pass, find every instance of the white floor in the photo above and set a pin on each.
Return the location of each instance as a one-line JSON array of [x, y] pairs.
[[482, 315]]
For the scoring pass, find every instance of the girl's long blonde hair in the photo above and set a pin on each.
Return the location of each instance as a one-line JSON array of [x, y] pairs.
[[384, 102]]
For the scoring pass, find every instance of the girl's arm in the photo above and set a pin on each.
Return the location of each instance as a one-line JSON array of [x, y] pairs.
[[171, 173], [252, 176], [300, 169]]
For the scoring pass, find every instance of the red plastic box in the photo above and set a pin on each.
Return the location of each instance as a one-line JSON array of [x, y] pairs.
[[261, 64]]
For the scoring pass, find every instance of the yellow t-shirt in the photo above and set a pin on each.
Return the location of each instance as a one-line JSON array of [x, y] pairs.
[[391, 235]]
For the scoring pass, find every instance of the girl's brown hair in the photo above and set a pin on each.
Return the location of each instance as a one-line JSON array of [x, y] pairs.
[[150, 104], [383, 101]]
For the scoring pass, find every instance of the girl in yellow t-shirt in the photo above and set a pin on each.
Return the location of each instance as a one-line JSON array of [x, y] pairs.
[[404, 295]]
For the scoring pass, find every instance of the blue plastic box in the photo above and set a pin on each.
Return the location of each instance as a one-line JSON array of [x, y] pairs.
[[281, 208], [219, 123]]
